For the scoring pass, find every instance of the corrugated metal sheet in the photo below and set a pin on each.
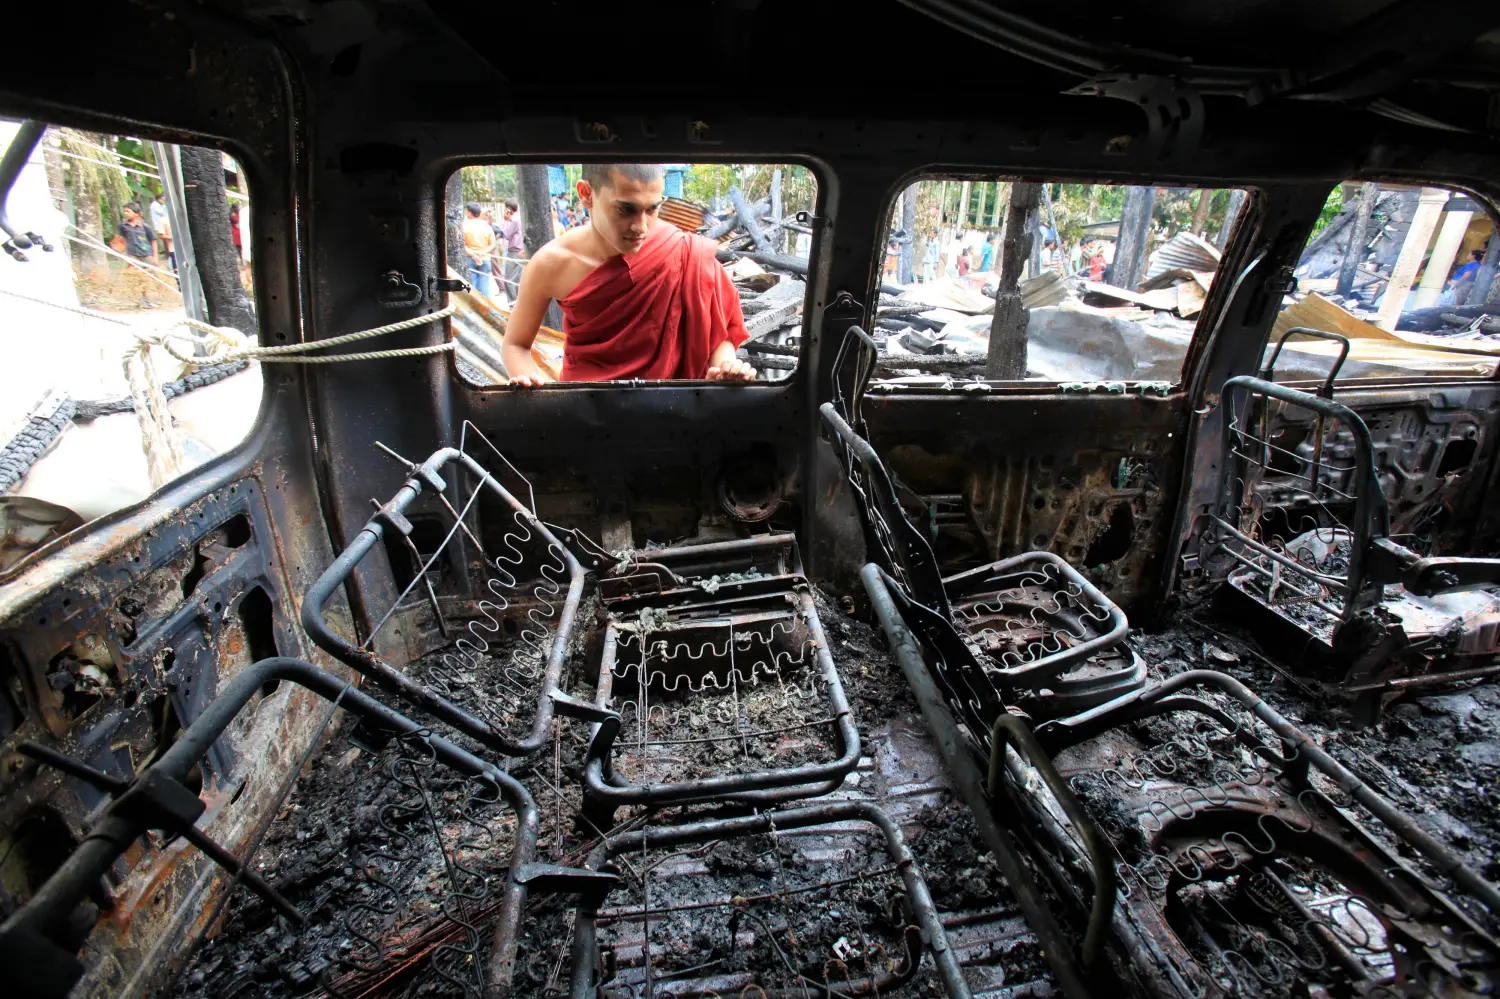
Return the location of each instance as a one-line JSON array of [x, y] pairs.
[[1185, 250], [683, 214]]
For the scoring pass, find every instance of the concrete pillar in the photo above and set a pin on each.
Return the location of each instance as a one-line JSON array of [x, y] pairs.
[[1444, 251], [1423, 222]]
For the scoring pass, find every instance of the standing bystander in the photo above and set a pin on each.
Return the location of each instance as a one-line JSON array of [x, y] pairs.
[[140, 247], [512, 247], [163, 226], [479, 247]]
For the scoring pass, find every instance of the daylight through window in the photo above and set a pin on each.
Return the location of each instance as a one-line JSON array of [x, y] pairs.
[[121, 239], [583, 273], [1046, 282], [1405, 274]]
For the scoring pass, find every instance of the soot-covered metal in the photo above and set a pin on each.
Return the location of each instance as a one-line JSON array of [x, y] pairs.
[[833, 685]]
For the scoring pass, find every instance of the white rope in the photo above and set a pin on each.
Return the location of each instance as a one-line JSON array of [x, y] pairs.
[[225, 343], [159, 441]]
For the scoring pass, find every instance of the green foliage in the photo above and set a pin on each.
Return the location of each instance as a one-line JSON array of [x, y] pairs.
[[1331, 209], [488, 184], [708, 184]]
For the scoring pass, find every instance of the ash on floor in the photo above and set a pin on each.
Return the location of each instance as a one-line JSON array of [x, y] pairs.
[[356, 850], [1436, 756]]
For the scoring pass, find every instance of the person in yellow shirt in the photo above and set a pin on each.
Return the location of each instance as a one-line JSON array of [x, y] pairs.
[[479, 247]]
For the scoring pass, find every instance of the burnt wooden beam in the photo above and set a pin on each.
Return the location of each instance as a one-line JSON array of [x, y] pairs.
[[1007, 350]]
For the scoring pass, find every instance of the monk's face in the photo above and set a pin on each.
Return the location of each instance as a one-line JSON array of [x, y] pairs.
[[622, 211]]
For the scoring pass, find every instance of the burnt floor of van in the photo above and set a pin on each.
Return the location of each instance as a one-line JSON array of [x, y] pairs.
[[347, 820], [1436, 756]]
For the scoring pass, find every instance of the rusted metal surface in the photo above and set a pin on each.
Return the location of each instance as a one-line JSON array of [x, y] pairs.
[[131, 640], [683, 214]]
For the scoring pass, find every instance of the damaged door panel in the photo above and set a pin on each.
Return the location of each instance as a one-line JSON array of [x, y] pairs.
[[109, 668], [988, 476]]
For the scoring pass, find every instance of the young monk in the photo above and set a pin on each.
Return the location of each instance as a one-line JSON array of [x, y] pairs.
[[640, 297]]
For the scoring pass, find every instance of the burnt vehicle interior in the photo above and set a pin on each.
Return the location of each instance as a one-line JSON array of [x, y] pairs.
[[853, 680]]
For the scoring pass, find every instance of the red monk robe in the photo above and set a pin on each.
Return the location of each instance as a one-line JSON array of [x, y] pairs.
[[658, 313]]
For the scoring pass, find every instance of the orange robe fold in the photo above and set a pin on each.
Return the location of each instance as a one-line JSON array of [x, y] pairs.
[[655, 314]]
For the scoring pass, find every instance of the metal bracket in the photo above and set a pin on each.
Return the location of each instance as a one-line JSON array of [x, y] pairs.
[[396, 292], [392, 519], [581, 710], [1174, 113], [554, 879], [812, 221], [438, 284], [589, 553], [1283, 280]]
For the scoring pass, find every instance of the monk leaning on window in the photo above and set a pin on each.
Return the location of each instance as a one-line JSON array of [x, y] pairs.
[[640, 298]]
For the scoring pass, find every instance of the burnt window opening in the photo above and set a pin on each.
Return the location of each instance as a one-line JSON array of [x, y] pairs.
[[428, 533], [78, 683], [1457, 456], [194, 576], [258, 623], [1284, 445], [30, 855], [1114, 541], [237, 532], [12, 694]]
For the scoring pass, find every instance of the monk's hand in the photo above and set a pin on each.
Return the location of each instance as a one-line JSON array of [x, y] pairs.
[[527, 376], [731, 369]]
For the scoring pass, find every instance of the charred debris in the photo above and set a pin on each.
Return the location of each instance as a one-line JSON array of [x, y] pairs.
[[686, 770]]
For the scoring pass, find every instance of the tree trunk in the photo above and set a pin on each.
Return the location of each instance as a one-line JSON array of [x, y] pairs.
[[53, 165], [942, 204], [983, 190], [1231, 213], [1200, 214], [536, 221], [1135, 229], [1359, 238], [1093, 208], [536, 206], [1484, 281], [776, 210], [207, 208], [453, 216], [1007, 349], [89, 259], [1000, 221], [1051, 224], [909, 227], [963, 204]]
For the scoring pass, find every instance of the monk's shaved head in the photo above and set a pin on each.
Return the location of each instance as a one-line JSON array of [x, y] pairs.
[[622, 200], [600, 174]]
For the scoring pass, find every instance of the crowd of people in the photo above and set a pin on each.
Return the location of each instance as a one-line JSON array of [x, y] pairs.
[[496, 249], [958, 254]]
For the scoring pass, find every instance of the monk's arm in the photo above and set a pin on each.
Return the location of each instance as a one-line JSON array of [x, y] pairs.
[[526, 321], [724, 366]]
